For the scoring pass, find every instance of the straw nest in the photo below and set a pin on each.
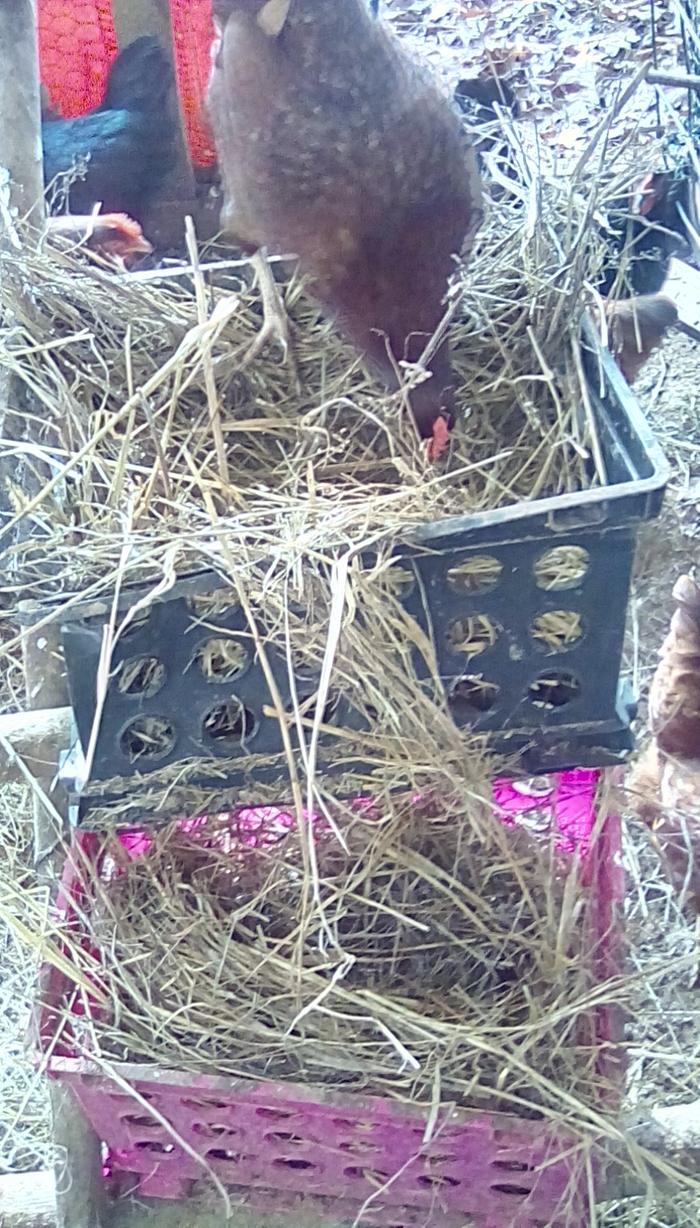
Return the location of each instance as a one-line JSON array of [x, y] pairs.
[[147, 448], [152, 446], [433, 947]]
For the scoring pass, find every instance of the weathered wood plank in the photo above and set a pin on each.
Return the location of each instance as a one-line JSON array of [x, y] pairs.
[[32, 740], [21, 178], [28, 1200], [683, 80], [79, 1182], [20, 106]]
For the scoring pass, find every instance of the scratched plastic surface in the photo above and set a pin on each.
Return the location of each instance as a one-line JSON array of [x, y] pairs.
[[77, 43], [271, 1143]]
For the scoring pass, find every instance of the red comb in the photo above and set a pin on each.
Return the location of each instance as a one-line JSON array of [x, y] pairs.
[[122, 222], [123, 234], [645, 195], [439, 441]]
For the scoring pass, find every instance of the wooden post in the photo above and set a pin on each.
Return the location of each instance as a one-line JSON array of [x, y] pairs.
[[79, 1169], [28, 1200], [80, 1195], [31, 741], [683, 80], [21, 160], [20, 107], [165, 222]]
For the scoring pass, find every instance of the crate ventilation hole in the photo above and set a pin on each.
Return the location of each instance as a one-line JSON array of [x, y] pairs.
[[472, 694], [557, 630], [141, 677], [478, 574], [561, 568], [222, 660], [229, 724], [472, 635], [149, 738]]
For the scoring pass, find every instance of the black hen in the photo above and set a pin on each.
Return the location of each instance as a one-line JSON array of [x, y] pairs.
[[126, 147], [646, 231]]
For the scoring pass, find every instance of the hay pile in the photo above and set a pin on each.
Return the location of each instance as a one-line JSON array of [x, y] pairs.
[[152, 435], [153, 453]]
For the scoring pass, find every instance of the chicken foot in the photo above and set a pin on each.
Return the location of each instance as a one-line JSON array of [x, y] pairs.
[[275, 319]]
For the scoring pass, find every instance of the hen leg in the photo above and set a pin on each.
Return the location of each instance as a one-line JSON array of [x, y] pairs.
[[275, 320]]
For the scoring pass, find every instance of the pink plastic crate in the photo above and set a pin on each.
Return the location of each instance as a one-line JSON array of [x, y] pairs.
[[327, 1155]]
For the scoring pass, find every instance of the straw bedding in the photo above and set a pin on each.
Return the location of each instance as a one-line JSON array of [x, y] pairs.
[[425, 945], [149, 431]]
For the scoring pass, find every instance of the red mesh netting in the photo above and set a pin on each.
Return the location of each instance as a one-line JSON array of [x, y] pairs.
[[193, 32], [77, 43]]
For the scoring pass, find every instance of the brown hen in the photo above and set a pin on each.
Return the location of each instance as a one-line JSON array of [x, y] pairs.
[[637, 326], [667, 778], [335, 146]]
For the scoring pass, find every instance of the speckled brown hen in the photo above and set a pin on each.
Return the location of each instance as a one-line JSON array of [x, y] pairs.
[[637, 327], [335, 146], [666, 780]]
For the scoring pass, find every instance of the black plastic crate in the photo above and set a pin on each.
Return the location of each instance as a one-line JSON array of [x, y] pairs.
[[557, 701]]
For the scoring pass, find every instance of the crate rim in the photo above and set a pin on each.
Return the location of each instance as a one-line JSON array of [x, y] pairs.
[[425, 535], [613, 492], [171, 1079]]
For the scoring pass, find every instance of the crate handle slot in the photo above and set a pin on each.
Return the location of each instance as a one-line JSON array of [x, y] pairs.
[[585, 516]]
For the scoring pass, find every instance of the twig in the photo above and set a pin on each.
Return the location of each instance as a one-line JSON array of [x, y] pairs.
[[209, 379], [686, 81]]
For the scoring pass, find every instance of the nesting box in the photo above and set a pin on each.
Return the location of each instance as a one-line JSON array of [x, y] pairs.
[[525, 606]]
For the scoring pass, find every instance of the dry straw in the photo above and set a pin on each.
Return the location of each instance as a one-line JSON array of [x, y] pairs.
[[121, 371], [436, 943], [147, 447]]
